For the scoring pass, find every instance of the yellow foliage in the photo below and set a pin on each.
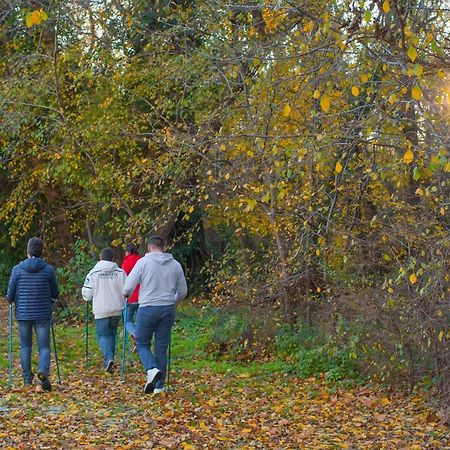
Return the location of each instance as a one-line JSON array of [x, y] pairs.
[[272, 18], [412, 53], [355, 91], [325, 103], [408, 157], [308, 27], [416, 93], [420, 192], [364, 78], [36, 17], [418, 70]]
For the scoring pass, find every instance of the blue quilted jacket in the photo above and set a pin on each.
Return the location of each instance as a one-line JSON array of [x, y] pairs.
[[32, 286]]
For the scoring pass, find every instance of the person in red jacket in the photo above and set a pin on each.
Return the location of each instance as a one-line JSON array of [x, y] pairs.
[[131, 258]]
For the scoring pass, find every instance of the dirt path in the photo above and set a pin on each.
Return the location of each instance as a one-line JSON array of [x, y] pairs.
[[203, 410], [206, 410]]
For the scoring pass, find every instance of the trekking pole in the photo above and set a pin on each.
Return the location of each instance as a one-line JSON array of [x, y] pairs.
[[56, 353], [86, 353], [168, 360], [124, 346], [10, 348]]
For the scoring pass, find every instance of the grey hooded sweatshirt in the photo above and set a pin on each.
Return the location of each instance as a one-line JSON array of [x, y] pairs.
[[161, 280]]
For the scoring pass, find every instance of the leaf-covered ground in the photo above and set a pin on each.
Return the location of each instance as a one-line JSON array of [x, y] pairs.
[[205, 408]]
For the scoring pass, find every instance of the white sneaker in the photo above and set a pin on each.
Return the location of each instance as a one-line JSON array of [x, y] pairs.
[[158, 390], [153, 376]]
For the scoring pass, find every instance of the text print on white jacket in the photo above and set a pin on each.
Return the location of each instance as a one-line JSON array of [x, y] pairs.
[[104, 286]]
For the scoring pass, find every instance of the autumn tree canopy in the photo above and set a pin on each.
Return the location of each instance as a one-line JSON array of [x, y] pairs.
[[292, 151]]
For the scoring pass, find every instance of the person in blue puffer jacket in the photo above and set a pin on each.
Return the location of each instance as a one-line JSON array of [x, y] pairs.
[[32, 287]]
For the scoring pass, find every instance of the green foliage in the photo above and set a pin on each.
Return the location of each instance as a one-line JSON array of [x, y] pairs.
[[221, 336], [227, 334], [5, 273], [311, 354], [71, 276], [9, 258]]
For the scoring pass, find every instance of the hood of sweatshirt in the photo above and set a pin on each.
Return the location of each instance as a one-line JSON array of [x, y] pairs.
[[106, 266], [33, 265], [161, 258]]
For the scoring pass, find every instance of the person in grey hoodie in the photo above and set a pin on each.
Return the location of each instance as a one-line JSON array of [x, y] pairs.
[[162, 285], [104, 285]]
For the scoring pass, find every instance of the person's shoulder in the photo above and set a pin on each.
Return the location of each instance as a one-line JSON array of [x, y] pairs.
[[49, 266], [139, 261], [18, 267], [177, 263], [48, 270], [93, 271], [15, 270]]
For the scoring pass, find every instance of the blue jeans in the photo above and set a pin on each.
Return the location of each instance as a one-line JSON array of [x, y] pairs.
[[131, 315], [154, 321], [42, 330], [106, 331]]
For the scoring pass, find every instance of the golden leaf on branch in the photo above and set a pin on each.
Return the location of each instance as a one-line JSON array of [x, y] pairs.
[[412, 53], [416, 93], [408, 157], [325, 103]]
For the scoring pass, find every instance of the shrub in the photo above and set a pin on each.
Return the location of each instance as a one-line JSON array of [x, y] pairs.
[[71, 278]]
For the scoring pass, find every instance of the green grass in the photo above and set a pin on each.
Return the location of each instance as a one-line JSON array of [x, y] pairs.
[[194, 332]]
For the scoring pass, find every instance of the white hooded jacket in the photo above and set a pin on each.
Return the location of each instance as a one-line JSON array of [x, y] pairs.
[[104, 286]]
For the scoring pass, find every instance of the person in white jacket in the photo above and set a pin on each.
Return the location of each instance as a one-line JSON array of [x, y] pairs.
[[162, 286], [104, 286]]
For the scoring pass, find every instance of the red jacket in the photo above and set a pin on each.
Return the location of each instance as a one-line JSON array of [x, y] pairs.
[[127, 265]]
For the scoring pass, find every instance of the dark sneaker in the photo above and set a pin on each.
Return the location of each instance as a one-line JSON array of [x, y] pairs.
[[153, 376], [45, 383], [110, 366]]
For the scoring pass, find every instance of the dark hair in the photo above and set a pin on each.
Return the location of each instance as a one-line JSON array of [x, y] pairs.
[[156, 241], [35, 247], [107, 254], [131, 248]]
